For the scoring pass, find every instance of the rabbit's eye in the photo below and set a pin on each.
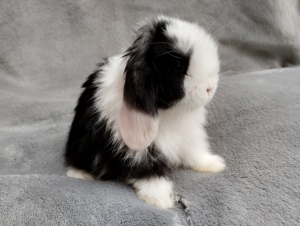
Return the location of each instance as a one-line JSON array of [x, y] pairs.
[[175, 64], [178, 64], [169, 62]]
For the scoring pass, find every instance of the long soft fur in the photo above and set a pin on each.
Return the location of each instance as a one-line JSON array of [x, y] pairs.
[[141, 114]]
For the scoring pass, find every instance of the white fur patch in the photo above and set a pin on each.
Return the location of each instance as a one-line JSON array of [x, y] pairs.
[[183, 140], [109, 95], [156, 191]]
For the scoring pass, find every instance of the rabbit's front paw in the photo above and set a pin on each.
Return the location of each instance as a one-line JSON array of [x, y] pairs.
[[155, 191], [211, 164]]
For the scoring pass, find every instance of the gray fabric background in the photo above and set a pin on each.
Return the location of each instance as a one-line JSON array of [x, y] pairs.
[[47, 48]]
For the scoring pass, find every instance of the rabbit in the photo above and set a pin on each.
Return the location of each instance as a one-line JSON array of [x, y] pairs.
[[142, 113]]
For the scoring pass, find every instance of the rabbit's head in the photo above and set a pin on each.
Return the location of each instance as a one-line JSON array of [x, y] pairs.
[[171, 64]]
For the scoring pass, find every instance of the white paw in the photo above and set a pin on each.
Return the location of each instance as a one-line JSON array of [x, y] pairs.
[[155, 191], [79, 174], [211, 164]]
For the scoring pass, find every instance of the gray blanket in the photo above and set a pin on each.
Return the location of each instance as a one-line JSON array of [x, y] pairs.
[[47, 48]]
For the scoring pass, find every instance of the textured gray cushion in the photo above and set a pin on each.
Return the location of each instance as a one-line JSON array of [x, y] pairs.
[[49, 47]]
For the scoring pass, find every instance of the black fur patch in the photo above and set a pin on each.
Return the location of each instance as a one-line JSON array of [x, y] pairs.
[[155, 70]]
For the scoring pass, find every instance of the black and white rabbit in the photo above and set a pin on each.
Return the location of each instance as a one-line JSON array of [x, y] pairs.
[[141, 114]]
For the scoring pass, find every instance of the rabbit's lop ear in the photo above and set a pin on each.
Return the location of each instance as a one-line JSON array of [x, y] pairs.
[[138, 119], [138, 129]]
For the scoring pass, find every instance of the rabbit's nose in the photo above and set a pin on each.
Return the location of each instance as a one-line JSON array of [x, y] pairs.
[[208, 90]]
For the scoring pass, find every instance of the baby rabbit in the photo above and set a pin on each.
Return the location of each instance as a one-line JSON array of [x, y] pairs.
[[141, 114]]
